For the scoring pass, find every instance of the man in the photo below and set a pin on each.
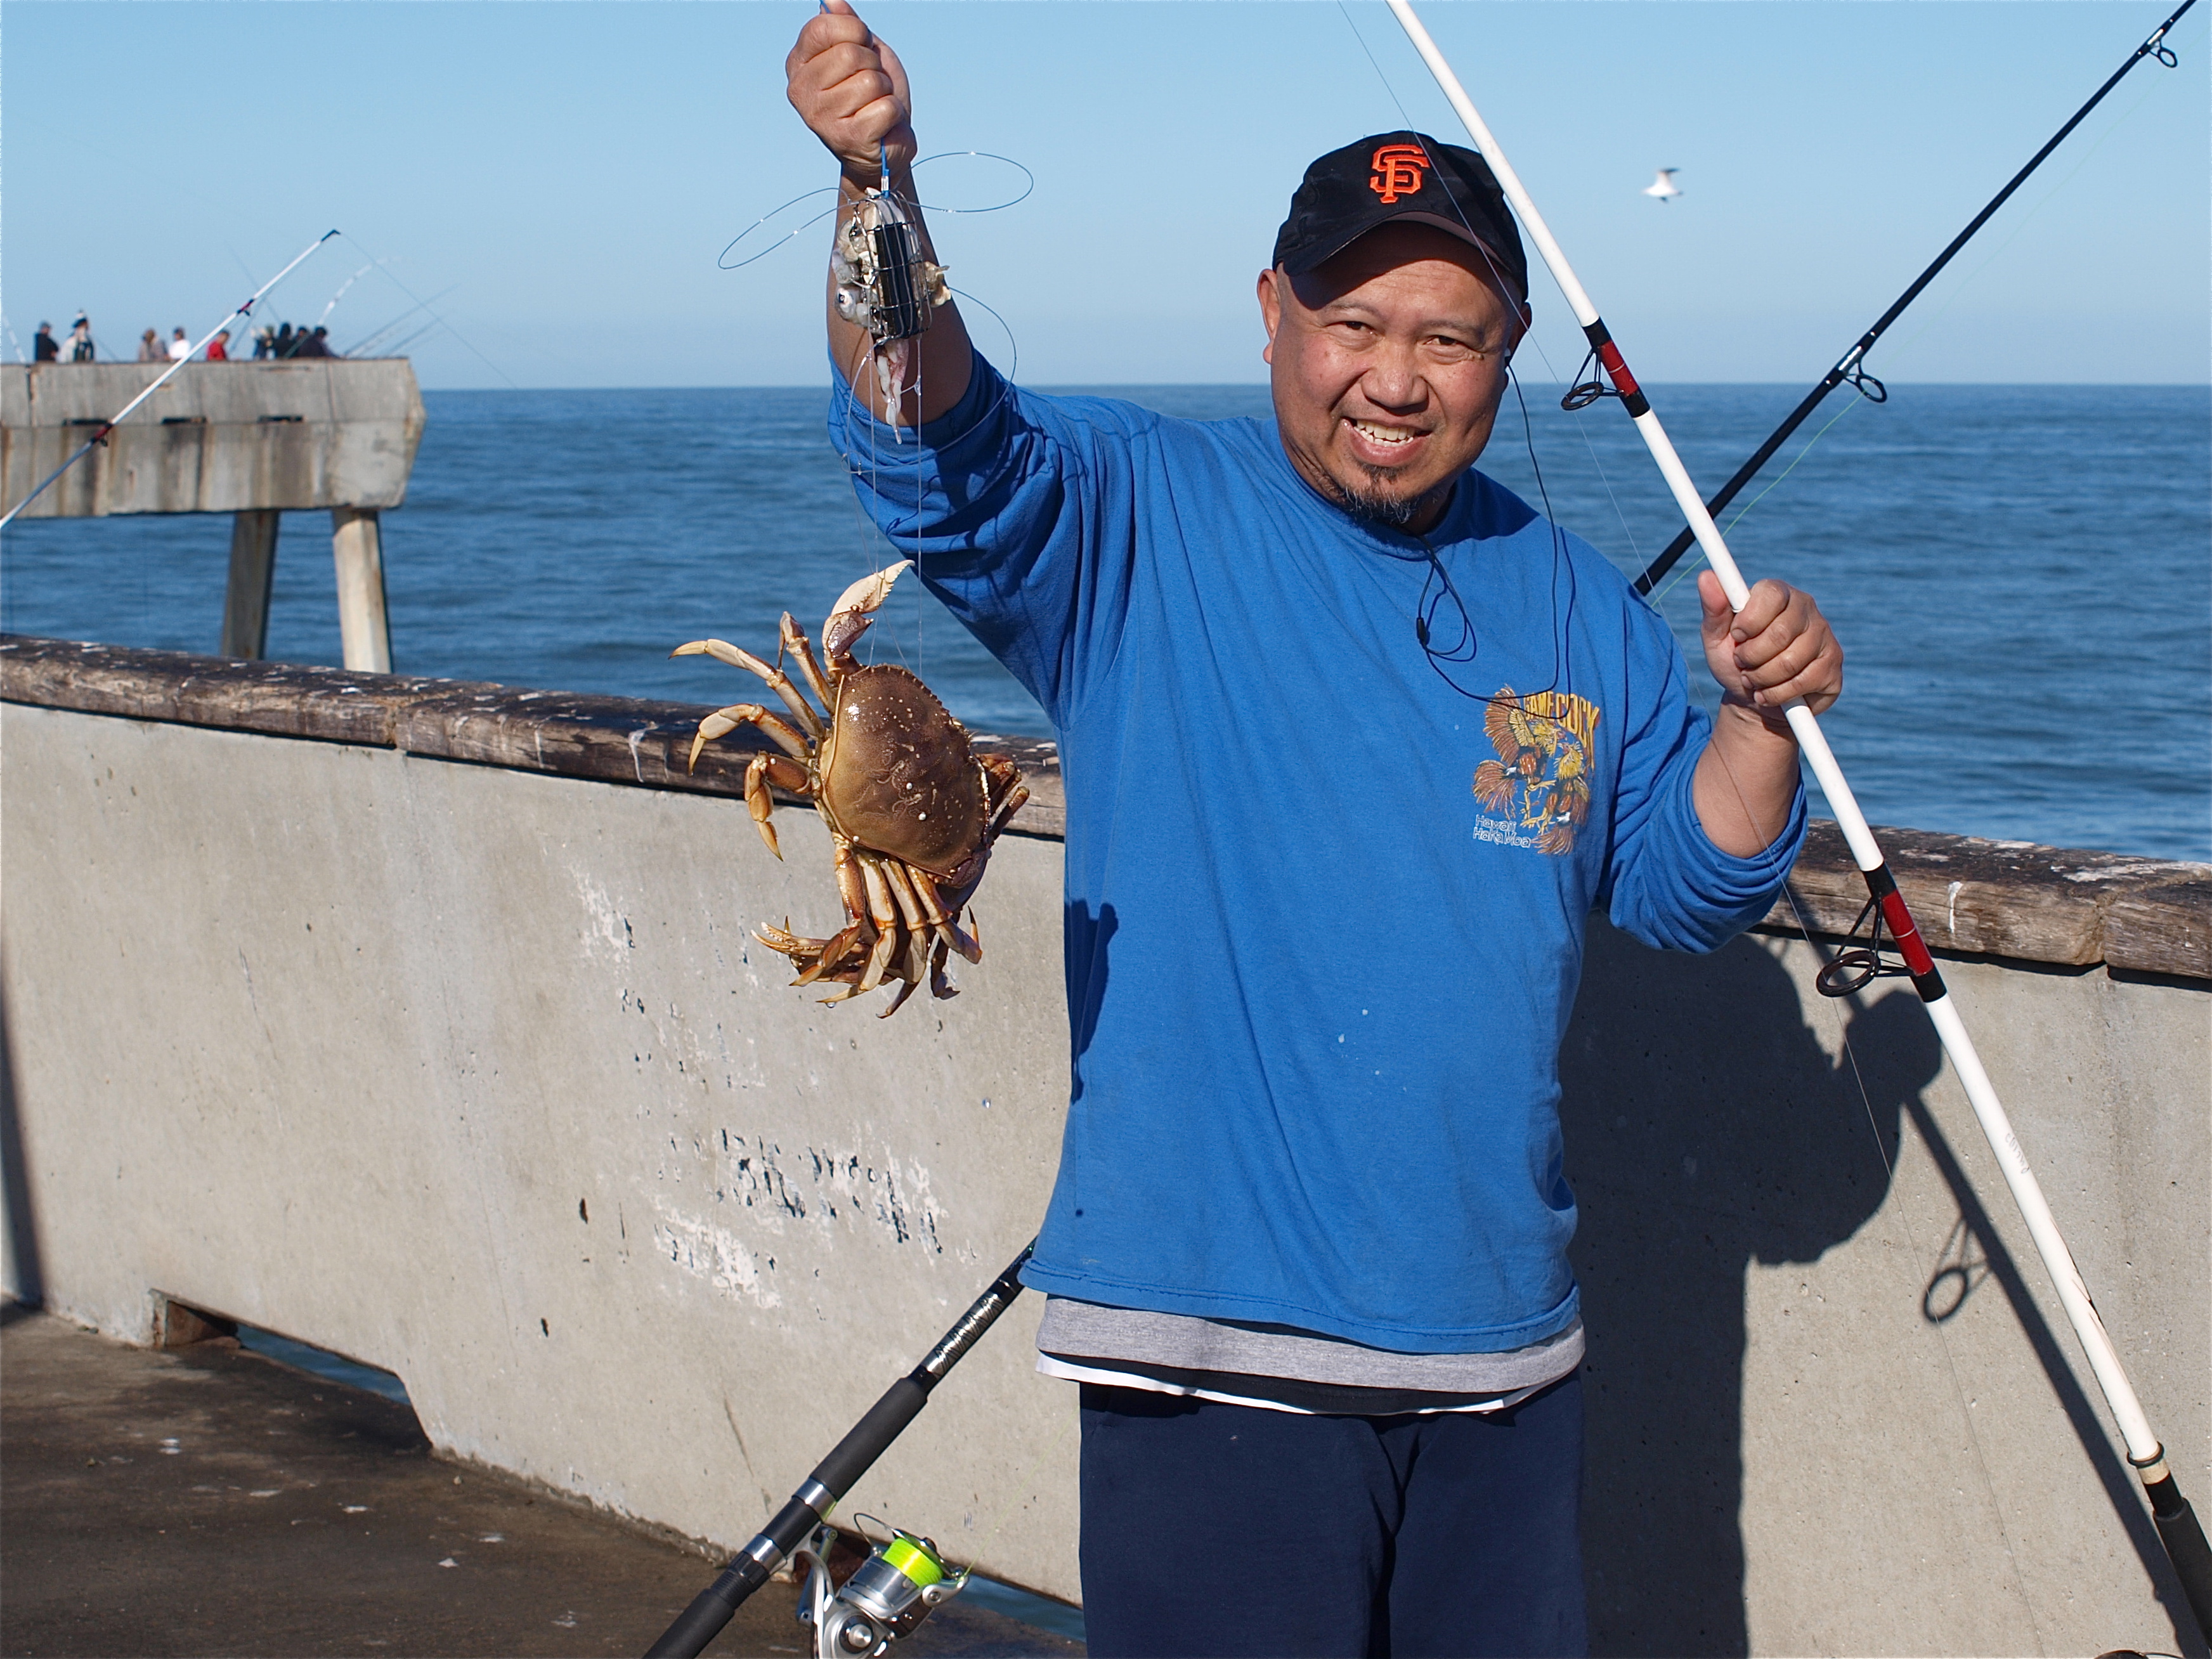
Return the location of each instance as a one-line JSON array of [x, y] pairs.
[[81, 347], [1353, 741], [45, 348], [179, 347]]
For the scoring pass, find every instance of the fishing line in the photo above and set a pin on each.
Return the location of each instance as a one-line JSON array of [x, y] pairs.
[[2179, 1531], [2027, 218], [424, 305], [1753, 817], [722, 261], [243, 310], [1851, 368], [375, 335], [1424, 612], [1903, 348], [869, 470], [1529, 334], [1694, 565], [1909, 1223]]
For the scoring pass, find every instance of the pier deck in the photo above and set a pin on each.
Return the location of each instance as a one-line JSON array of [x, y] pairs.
[[208, 1500]]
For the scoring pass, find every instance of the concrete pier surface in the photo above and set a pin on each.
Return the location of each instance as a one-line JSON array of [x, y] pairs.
[[208, 1500]]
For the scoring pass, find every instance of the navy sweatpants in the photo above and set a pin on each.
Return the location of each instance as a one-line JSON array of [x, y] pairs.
[[1230, 1532]]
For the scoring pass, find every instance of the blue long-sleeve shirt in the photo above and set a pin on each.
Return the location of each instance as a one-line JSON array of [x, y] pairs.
[[1326, 886]]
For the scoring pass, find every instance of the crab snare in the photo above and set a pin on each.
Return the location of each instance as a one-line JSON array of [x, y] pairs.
[[903, 1580], [2178, 1527]]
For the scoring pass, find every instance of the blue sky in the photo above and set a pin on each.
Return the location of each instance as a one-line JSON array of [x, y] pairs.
[[565, 175]]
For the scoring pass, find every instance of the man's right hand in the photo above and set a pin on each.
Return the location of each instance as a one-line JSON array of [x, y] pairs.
[[850, 89]]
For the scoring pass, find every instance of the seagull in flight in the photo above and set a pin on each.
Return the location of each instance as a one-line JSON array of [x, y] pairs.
[[1664, 185]]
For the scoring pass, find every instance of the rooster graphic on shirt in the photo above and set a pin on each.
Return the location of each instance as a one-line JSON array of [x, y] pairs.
[[1537, 793]]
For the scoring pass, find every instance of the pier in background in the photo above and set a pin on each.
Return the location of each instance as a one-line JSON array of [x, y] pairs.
[[254, 440]]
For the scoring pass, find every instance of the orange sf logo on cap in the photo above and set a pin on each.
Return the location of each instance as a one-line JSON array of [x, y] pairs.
[[1398, 171]]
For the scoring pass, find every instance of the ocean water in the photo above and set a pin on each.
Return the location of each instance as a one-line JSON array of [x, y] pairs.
[[2021, 575]]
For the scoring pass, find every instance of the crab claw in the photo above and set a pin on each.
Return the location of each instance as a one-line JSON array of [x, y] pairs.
[[848, 618]]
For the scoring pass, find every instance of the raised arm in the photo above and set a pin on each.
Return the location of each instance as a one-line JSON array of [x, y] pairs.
[[851, 90]]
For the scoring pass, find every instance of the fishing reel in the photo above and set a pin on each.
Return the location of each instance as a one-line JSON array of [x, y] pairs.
[[901, 1583], [885, 283]]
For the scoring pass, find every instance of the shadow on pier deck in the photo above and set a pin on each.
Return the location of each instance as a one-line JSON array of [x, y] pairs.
[[208, 1500]]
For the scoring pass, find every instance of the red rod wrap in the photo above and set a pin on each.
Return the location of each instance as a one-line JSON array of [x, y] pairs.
[[1901, 929], [1617, 366]]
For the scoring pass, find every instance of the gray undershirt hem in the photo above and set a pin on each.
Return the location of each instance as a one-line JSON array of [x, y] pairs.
[[1092, 1331]]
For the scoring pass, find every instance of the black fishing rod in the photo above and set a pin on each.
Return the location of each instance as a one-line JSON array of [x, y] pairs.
[[834, 1476], [1849, 365]]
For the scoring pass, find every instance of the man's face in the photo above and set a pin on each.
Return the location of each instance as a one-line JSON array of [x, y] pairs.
[[1388, 362]]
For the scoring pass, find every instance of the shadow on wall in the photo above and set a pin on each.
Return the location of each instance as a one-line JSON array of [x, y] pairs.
[[26, 1283], [1682, 1181]]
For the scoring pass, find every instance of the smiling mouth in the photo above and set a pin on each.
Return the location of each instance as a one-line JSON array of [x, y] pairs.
[[1390, 437]]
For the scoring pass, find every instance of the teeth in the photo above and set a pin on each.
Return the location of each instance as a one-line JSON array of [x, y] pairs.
[[1383, 435]]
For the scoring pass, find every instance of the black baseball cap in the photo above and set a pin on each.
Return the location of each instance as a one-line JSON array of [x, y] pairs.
[[1392, 176]]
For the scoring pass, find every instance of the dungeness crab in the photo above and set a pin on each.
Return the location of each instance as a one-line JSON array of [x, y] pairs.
[[912, 809]]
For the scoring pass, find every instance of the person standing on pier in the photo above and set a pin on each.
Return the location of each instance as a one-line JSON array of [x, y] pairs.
[[150, 346], [45, 348], [1326, 877], [179, 347], [218, 348], [81, 350]]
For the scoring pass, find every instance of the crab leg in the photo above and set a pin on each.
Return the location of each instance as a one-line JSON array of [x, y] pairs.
[[781, 732], [895, 876], [915, 957], [779, 682], [794, 945], [767, 769], [792, 639], [879, 921], [835, 962], [884, 913], [852, 888], [818, 958], [946, 928], [917, 895], [940, 987]]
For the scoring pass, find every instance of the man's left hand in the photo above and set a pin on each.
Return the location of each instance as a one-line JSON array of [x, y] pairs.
[[1776, 647]]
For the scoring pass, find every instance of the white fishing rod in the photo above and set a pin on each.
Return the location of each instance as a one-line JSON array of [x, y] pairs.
[[245, 309], [2178, 1527]]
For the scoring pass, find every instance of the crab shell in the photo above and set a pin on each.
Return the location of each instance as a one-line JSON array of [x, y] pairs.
[[898, 777]]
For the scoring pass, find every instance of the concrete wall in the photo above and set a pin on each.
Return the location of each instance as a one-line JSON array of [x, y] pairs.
[[475, 1074], [218, 438]]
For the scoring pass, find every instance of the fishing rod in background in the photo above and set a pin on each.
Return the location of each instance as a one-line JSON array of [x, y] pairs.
[[99, 435], [1851, 366], [2178, 1530], [902, 1581]]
